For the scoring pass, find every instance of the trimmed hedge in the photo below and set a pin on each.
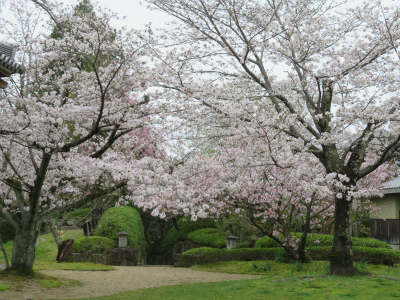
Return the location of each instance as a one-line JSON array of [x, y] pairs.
[[371, 255], [211, 255], [173, 235], [209, 237], [266, 242], [98, 244], [323, 240], [119, 219]]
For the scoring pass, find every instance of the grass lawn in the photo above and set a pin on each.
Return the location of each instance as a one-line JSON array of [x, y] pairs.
[[280, 280], [46, 253]]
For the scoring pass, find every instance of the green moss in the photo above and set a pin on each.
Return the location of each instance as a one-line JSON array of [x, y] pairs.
[[97, 244], [119, 219]]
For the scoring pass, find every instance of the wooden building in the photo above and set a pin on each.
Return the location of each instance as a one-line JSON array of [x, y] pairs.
[[7, 64], [386, 225]]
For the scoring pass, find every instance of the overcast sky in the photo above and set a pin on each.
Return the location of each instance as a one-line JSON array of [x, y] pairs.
[[136, 12]]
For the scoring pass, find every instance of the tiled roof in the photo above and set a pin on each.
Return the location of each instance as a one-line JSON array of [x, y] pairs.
[[7, 62], [392, 186], [7, 50]]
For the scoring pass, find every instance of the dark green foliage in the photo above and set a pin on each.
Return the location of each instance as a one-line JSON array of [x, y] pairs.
[[209, 237], [323, 240], [371, 255], [97, 244], [173, 235], [282, 256], [81, 213], [244, 244], [211, 255], [370, 242], [119, 219], [377, 255], [7, 232], [154, 227], [266, 242]]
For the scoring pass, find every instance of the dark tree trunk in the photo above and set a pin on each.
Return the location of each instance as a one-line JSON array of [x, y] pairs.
[[23, 253], [341, 256], [54, 231], [5, 254]]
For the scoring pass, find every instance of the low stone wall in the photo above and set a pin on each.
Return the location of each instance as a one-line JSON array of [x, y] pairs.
[[117, 257]]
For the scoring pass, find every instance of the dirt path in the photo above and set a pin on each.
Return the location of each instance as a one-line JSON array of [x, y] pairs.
[[104, 283]]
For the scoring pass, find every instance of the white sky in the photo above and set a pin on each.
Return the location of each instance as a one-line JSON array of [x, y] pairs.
[[136, 12]]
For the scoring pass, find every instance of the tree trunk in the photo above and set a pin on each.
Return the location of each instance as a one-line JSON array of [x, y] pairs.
[[23, 253], [54, 231], [5, 254], [341, 256]]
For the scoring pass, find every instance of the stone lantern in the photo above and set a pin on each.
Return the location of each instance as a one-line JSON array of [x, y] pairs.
[[123, 239], [231, 242]]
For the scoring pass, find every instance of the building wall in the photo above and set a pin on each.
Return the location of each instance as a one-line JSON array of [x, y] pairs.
[[390, 204]]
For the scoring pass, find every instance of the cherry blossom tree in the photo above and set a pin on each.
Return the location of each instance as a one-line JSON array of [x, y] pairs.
[[75, 121], [315, 76]]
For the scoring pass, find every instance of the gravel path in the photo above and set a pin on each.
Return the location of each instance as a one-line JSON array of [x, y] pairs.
[[104, 283]]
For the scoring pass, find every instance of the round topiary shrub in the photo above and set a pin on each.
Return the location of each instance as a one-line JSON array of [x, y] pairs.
[[98, 244], [119, 219], [210, 237]]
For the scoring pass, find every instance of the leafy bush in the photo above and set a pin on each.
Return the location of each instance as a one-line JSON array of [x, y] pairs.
[[372, 255], [211, 237], [314, 240], [81, 213], [173, 235], [211, 255], [266, 242], [377, 255], [97, 244], [7, 232], [370, 242], [119, 219]]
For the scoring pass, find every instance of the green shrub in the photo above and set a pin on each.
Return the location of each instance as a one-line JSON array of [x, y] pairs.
[[322, 240], [210, 255], [266, 242], [97, 244], [282, 256], [119, 219], [376, 255], [372, 255], [173, 235], [370, 242], [211, 237], [7, 232], [81, 213]]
